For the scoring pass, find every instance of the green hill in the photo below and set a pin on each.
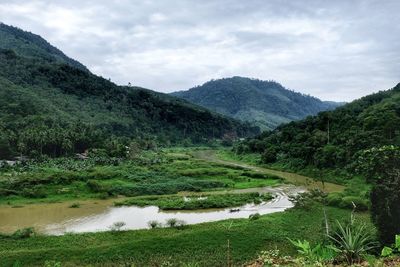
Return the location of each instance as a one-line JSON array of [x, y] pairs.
[[50, 104], [264, 103], [31, 45], [333, 139]]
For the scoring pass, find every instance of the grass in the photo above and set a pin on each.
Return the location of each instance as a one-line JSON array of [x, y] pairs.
[[251, 158], [154, 173], [192, 202], [205, 244]]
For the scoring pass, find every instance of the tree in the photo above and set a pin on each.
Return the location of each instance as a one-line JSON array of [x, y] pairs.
[[381, 166]]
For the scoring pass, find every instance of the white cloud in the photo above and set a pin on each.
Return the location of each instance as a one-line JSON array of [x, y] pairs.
[[338, 50]]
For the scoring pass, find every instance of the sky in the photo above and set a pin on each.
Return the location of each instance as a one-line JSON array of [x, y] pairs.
[[335, 50]]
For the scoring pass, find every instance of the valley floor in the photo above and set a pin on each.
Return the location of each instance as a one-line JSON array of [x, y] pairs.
[[231, 242], [202, 244]]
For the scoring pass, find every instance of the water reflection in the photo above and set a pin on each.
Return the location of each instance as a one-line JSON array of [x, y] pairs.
[[99, 215]]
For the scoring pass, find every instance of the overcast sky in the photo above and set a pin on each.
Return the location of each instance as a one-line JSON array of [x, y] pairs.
[[335, 50]]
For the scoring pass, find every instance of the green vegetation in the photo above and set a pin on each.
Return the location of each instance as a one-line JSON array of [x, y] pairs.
[[53, 108], [381, 166], [263, 103], [193, 202], [331, 142], [31, 45], [50, 107], [205, 244], [150, 173]]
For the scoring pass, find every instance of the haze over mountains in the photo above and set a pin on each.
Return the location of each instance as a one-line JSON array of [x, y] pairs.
[[264, 103]]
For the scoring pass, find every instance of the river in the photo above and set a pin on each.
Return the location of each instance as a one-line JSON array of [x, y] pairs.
[[99, 215]]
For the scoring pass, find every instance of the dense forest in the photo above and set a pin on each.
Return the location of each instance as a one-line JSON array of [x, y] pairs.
[[50, 104], [264, 103], [333, 139]]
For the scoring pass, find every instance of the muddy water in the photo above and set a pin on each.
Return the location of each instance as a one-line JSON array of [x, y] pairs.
[[99, 215]]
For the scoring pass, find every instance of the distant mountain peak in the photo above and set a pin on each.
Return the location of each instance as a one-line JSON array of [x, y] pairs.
[[264, 103]]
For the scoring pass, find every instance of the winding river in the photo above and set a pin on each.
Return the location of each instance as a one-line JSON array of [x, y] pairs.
[[99, 215]]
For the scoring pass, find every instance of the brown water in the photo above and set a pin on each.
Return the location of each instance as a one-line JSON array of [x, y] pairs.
[[99, 215]]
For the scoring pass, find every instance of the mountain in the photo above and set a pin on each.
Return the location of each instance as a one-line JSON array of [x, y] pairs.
[[30, 45], [333, 139], [50, 104], [265, 103]]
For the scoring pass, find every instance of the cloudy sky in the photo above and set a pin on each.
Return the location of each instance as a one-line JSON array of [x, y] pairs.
[[335, 50]]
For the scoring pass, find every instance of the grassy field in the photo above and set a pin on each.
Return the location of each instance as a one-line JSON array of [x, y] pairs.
[[155, 178], [154, 173], [204, 244]]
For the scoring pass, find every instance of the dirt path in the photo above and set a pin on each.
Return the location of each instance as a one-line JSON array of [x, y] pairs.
[[296, 179]]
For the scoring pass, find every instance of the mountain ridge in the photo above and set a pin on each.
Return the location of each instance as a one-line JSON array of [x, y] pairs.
[[32, 45], [264, 103], [333, 139], [50, 106]]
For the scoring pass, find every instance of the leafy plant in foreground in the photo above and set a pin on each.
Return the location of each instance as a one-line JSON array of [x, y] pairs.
[[352, 241], [389, 251], [314, 254]]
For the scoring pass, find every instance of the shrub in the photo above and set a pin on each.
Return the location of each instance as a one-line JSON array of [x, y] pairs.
[[171, 222], [24, 233], [351, 241], [334, 199], [154, 224], [254, 216], [314, 254], [75, 205], [36, 192], [117, 226], [175, 223], [354, 202], [390, 251], [306, 200]]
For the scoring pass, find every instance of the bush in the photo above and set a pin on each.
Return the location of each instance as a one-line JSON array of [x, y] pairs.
[[254, 216], [24, 233], [354, 202], [175, 223], [352, 241], [117, 226], [37, 192], [75, 205], [269, 156], [334, 199], [154, 224], [171, 222], [317, 254], [306, 200]]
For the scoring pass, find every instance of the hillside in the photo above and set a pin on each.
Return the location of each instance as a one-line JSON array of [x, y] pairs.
[[31, 45], [48, 105], [333, 139], [264, 103]]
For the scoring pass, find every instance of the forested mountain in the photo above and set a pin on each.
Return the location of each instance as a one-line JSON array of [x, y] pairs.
[[265, 103], [31, 45], [50, 104], [333, 139]]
